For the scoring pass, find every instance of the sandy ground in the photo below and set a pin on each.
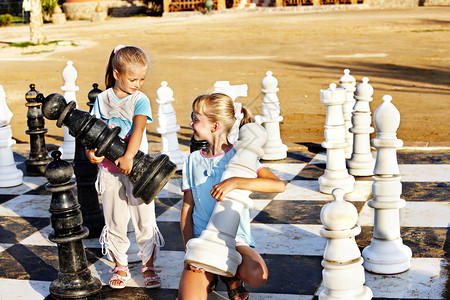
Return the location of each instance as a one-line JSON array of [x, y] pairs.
[[404, 52]]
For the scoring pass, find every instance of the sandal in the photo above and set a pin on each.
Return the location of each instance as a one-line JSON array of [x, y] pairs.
[[213, 283], [155, 279], [117, 277], [236, 291]]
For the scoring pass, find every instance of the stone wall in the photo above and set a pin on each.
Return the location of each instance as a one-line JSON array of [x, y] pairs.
[[404, 3], [114, 8]]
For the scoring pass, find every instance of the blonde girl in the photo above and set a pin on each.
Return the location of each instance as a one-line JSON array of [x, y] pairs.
[[216, 119], [123, 105]]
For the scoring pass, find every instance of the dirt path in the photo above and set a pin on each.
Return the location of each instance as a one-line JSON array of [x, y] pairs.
[[405, 53]]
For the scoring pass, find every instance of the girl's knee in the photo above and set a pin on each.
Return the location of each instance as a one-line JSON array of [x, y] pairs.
[[257, 278]]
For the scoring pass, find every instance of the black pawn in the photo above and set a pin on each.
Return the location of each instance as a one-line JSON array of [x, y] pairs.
[[86, 175], [38, 159], [74, 278]]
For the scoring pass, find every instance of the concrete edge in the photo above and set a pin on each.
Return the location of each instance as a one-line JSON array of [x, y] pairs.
[[292, 147]]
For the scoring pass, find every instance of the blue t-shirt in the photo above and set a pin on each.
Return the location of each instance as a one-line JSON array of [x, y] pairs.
[[200, 173], [120, 112]]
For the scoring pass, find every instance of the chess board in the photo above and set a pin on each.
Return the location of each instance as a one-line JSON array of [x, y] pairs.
[[285, 227]]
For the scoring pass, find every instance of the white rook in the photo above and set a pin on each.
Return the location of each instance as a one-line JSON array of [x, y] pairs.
[[362, 162], [348, 82], [215, 249], [336, 174], [9, 174], [343, 273], [168, 128], [386, 253], [69, 88], [274, 149]]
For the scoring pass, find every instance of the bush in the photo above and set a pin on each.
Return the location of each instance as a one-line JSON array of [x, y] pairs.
[[48, 6], [5, 20]]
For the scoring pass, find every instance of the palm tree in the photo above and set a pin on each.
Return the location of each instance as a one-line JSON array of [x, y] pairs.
[[37, 35]]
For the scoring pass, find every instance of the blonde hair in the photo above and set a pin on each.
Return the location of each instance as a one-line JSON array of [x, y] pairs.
[[122, 58], [220, 107]]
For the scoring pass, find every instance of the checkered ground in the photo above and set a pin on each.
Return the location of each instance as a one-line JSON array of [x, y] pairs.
[[285, 226]]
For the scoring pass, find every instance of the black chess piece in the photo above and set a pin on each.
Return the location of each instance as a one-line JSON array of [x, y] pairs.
[[74, 278], [86, 175], [148, 175], [38, 158], [197, 144]]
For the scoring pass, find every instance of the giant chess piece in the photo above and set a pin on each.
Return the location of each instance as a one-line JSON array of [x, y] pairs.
[[336, 174], [348, 82], [9, 174], [69, 88], [74, 278], [233, 91], [86, 176], [362, 161], [133, 250], [274, 149], [386, 253], [343, 273], [38, 158], [148, 175], [168, 128], [215, 249]]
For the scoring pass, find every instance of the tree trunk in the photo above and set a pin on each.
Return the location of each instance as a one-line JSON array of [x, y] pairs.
[[36, 23]]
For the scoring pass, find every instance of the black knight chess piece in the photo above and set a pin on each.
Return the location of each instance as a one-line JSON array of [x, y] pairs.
[[148, 175]]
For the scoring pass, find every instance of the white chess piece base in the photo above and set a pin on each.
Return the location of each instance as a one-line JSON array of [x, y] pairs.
[[387, 257], [9, 174]]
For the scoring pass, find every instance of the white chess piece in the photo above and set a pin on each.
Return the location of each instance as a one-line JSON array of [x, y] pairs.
[[348, 82], [343, 273], [133, 250], [274, 149], [168, 128], [336, 174], [215, 249], [233, 91], [386, 253], [9, 174], [362, 162], [69, 88]]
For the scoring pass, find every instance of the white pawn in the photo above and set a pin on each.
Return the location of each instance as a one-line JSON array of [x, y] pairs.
[[69, 88], [9, 174], [336, 174], [343, 273], [386, 253], [348, 82], [274, 149], [168, 128], [215, 249], [133, 249], [362, 161]]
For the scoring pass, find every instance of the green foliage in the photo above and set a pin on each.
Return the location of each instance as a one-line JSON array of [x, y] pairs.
[[5, 20], [48, 6], [26, 44]]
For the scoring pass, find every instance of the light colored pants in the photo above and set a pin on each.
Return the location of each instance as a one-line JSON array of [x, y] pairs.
[[119, 205]]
